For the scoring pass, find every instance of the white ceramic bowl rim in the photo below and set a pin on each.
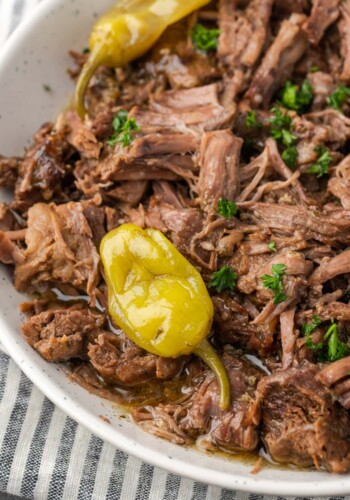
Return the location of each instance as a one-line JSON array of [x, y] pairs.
[[318, 484]]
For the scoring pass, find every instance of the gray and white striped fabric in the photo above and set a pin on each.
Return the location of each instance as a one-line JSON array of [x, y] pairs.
[[45, 455]]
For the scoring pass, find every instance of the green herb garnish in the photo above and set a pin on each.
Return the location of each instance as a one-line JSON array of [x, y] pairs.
[[307, 329], [321, 167], [251, 120], [338, 98], [336, 348], [272, 246], [274, 282], [225, 279], [290, 156], [85, 50], [281, 124], [295, 98], [47, 87], [314, 69], [204, 38], [279, 121], [226, 208], [123, 126]]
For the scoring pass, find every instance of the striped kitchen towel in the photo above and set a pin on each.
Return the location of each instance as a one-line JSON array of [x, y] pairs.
[[45, 455]]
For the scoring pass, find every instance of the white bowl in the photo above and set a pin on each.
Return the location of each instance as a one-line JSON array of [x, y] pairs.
[[36, 55]]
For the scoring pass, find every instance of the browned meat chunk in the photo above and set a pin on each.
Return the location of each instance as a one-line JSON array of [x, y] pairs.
[[219, 167], [59, 250], [279, 61], [62, 334], [323, 14], [129, 366], [298, 420], [41, 174]]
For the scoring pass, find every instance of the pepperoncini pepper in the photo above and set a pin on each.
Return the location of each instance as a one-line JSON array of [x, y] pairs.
[[159, 299], [127, 32]]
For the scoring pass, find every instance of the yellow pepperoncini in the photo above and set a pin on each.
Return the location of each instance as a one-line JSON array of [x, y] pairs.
[[159, 299], [127, 32]]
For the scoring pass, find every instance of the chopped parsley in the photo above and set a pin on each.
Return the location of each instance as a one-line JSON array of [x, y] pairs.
[[204, 38], [251, 120], [225, 279], [274, 282], [321, 167], [338, 98], [281, 125], [336, 348], [272, 246], [47, 87], [307, 329], [226, 208], [123, 126], [314, 69], [290, 156], [85, 50], [279, 121], [295, 97]]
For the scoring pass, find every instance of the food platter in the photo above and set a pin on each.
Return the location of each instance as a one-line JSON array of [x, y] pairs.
[[33, 58]]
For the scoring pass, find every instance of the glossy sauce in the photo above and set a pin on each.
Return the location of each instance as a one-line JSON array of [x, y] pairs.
[[176, 390]]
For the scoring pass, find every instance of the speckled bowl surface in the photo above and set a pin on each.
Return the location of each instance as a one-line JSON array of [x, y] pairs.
[[36, 55]]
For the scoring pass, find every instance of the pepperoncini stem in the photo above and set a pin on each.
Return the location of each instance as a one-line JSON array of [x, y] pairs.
[[89, 69], [127, 32], [207, 353]]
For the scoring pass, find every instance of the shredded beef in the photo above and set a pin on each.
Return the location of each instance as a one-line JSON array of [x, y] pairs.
[[278, 63], [219, 168], [81, 137], [323, 14], [59, 250], [242, 39], [344, 28], [239, 155], [200, 414]]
